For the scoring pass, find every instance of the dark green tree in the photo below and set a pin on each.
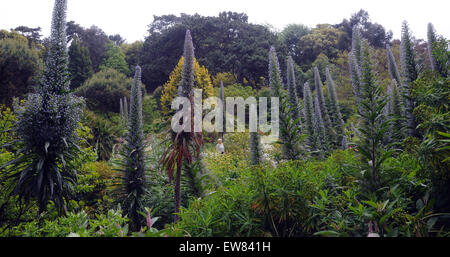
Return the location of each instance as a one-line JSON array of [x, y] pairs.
[[242, 49], [20, 67], [114, 58], [80, 65]]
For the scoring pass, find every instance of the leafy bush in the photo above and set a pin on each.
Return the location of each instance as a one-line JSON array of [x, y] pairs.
[[104, 90]]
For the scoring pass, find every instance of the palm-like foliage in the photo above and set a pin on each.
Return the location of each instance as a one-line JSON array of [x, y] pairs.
[[46, 128]]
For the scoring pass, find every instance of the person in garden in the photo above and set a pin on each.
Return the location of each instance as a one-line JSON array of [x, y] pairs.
[[220, 147]]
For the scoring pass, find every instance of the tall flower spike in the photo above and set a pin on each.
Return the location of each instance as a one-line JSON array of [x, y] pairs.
[[319, 127], [335, 110], [187, 78], [392, 65], [292, 88], [431, 36], [255, 148], [356, 45], [355, 74], [371, 114], [308, 114], [133, 173], [55, 79], [275, 81], [222, 99], [323, 108], [410, 73]]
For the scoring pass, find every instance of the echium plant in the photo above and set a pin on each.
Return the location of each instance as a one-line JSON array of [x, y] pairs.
[[410, 73], [392, 65], [222, 99], [330, 134], [439, 61], [185, 146], [309, 115], [396, 114], [275, 80], [373, 122], [45, 169], [289, 126], [319, 127], [133, 171], [335, 110], [292, 88], [255, 148], [354, 61], [431, 36]]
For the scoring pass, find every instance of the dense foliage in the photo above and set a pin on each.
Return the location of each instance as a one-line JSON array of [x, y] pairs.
[[363, 149]]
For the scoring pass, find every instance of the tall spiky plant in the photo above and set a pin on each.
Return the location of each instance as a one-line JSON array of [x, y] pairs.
[[292, 88], [410, 74], [222, 98], [185, 146], [330, 134], [133, 172], [309, 115], [289, 126], [439, 65], [335, 110], [357, 45], [319, 128], [275, 80], [125, 108], [355, 74], [373, 122], [396, 114], [431, 36], [255, 148], [392, 65], [354, 61], [121, 108], [46, 127]]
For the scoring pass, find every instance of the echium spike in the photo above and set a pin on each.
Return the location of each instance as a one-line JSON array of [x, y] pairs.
[[431, 36], [323, 108], [410, 74], [292, 88], [308, 114], [319, 126], [255, 148], [355, 73], [335, 111], [135, 122], [187, 77], [392, 65], [222, 99], [356, 45], [55, 79], [275, 81]]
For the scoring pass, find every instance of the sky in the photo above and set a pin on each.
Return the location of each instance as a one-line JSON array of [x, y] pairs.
[[131, 18]]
